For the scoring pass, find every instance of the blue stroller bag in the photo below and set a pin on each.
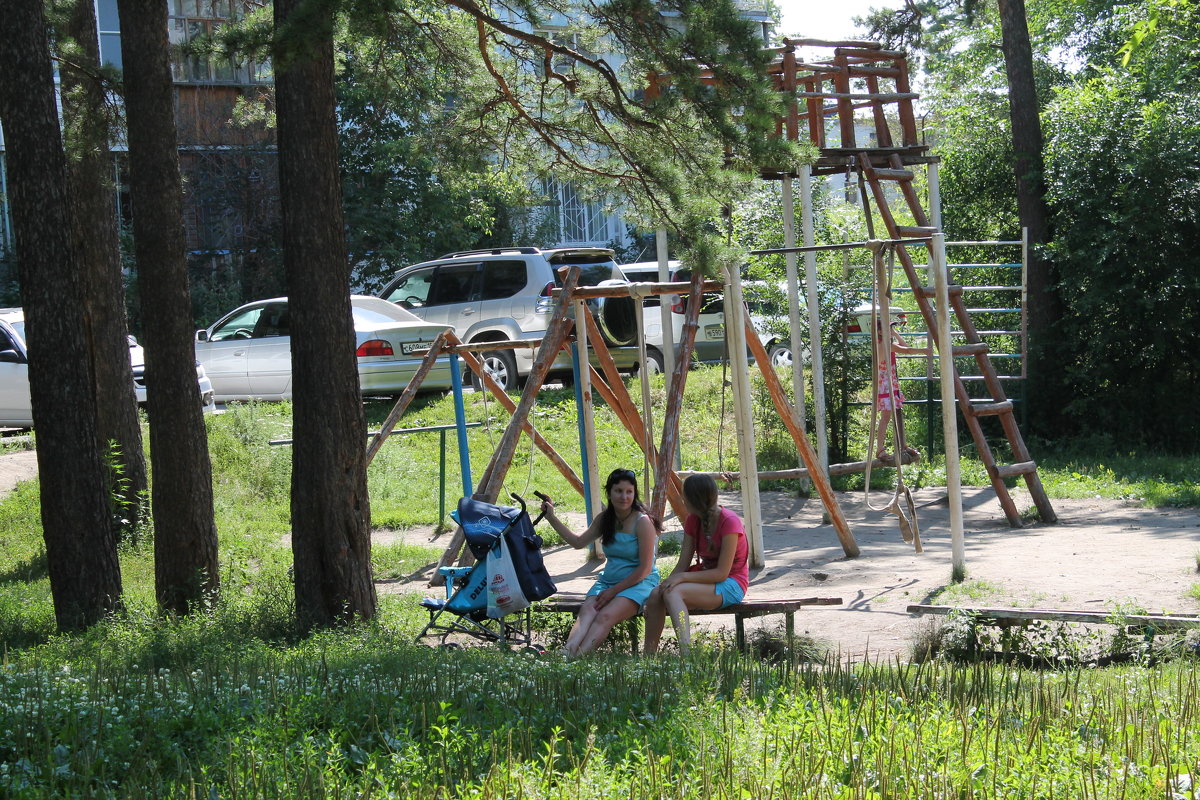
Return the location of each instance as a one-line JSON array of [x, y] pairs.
[[466, 587]]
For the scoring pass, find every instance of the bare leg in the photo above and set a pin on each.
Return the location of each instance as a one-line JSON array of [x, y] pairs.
[[583, 621], [617, 610], [656, 618], [683, 596], [881, 432]]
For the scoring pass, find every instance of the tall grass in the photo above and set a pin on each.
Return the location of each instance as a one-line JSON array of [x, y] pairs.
[[361, 714], [232, 702]]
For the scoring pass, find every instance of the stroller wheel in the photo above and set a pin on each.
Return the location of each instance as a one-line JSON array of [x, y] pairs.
[[534, 650], [450, 646]]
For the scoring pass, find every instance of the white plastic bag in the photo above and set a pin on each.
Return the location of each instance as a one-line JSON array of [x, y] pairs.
[[504, 590]]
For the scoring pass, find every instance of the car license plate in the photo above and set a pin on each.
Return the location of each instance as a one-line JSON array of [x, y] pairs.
[[413, 347], [714, 331]]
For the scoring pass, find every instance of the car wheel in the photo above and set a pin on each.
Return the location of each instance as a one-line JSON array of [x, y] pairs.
[[780, 355], [654, 362], [502, 365]]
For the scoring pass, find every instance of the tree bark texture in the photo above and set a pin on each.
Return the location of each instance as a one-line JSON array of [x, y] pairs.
[[81, 548], [331, 541], [90, 180], [1043, 306], [185, 535]]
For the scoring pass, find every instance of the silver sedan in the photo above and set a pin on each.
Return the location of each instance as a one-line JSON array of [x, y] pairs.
[[248, 352]]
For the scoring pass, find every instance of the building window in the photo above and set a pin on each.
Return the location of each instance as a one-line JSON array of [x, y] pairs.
[[578, 221], [109, 29], [194, 19]]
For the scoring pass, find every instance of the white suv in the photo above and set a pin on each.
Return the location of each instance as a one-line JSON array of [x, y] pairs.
[[710, 336], [495, 295]]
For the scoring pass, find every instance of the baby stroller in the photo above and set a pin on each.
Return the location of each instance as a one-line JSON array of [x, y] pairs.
[[465, 607]]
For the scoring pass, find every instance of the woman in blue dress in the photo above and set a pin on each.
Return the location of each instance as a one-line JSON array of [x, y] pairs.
[[629, 537]]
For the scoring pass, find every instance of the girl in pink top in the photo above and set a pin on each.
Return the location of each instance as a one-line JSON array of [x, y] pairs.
[[720, 576]]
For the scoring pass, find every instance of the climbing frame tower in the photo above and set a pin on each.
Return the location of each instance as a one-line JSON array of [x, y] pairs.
[[855, 104]]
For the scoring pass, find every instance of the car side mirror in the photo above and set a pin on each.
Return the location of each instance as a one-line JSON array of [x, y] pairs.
[[202, 335], [11, 357]]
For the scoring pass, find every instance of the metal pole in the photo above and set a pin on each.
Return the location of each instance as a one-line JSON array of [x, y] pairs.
[[935, 217], [460, 422], [442, 479], [665, 301], [814, 320], [587, 474], [945, 348]]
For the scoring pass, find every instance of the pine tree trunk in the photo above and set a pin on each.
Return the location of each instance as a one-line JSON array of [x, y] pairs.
[[185, 535], [81, 548], [90, 178], [1044, 308], [331, 516]]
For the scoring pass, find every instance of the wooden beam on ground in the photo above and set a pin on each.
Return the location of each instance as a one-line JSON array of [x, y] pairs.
[[1021, 616], [788, 413], [410, 391]]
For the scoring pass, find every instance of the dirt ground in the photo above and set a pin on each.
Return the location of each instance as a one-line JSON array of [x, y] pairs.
[[1101, 553]]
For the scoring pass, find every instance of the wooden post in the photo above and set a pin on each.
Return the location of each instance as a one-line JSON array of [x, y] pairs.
[[738, 324], [813, 304], [665, 301], [586, 412], [670, 434], [793, 292], [949, 418], [410, 391], [787, 413]]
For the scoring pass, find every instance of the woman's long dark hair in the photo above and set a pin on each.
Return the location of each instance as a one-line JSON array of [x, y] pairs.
[[608, 517]]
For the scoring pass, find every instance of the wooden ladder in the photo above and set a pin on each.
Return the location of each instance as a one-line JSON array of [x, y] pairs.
[[999, 406]]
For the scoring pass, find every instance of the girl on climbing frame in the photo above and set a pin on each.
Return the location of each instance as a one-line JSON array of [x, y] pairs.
[[888, 397]]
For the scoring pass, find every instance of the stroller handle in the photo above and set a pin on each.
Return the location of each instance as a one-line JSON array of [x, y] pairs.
[[521, 501]]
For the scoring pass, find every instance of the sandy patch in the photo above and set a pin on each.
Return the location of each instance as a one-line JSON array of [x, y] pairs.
[[1099, 555]]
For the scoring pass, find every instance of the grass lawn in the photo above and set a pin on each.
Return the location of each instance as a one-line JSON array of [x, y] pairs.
[[232, 703]]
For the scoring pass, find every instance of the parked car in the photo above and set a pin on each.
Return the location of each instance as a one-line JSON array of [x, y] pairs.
[[710, 335], [495, 295], [16, 409], [248, 352]]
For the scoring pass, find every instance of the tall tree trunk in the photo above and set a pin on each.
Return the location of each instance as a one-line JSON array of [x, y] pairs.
[[90, 172], [185, 535], [81, 547], [1043, 305], [331, 516]]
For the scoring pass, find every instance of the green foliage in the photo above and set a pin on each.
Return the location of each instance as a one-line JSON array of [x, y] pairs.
[[1128, 213]]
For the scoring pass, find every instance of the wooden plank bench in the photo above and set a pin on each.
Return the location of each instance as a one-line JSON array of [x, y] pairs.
[[571, 603], [1020, 617]]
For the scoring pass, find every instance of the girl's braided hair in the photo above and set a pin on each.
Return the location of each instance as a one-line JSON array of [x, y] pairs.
[[700, 492]]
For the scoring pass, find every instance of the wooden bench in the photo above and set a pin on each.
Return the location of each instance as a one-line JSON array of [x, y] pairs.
[[571, 603], [1020, 617]]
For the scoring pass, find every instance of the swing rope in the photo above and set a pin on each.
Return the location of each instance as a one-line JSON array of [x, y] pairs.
[[882, 352], [638, 294]]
